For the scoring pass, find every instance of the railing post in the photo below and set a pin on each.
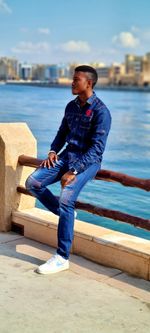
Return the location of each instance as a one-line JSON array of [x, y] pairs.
[[15, 139]]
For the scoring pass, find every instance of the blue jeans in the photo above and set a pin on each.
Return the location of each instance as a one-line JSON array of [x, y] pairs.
[[37, 184]]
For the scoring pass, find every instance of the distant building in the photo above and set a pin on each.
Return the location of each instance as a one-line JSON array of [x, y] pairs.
[[38, 72], [146, 70], [3, 70], [9, 68], [103, 74], [137, 70], [133, 69], [71, 70], [25, 71], [116, 73], [63, 70], [133, 64], [47, 73], [53, 73]]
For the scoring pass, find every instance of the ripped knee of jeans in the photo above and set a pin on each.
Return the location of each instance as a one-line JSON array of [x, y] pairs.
[[32, 183], [66, 197]]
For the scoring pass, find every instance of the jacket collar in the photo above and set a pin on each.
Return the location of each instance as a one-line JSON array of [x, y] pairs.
[[89, 101]]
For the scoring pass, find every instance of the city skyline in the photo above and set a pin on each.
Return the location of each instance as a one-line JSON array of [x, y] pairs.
[[135, 71], [68, 31]]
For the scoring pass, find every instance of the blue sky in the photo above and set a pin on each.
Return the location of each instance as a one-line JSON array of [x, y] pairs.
[[62, 31]]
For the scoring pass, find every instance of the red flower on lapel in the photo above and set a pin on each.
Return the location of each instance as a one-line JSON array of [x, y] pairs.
[[88, 113]]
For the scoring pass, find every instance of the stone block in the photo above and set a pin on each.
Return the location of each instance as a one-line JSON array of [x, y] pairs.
[[15, 139]]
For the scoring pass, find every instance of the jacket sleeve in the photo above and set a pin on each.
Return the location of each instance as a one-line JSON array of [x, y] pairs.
[[60, 137], [101, 127]]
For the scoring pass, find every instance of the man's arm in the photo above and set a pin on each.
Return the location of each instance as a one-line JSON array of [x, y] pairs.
[[101, 127], [56, 145], [60, 137]]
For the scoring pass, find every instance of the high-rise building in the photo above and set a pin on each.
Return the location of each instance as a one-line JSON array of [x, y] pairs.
[[25, 71], [38, 72], [3, 69], [103, 74], [146, 70], [9, 68], [63, 70], [137, 69], [53, 73], [133, 64]]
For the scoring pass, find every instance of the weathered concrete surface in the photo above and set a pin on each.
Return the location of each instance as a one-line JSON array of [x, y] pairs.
[[107, 247], [87, 298], [15, 139]]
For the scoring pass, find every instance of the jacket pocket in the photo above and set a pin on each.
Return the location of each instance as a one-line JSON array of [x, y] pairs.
[[85, 122]]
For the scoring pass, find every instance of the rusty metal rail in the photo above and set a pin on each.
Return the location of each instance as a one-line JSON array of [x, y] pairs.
[[106, 175]]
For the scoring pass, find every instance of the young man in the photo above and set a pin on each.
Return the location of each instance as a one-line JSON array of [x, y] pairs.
[[85, 127]]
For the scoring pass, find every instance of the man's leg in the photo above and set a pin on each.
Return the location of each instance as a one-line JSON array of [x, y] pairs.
[[67, 202], [60, 262], [38, 181]]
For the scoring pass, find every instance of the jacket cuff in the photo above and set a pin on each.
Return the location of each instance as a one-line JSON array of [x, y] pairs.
[[79, 167], [52, 151]]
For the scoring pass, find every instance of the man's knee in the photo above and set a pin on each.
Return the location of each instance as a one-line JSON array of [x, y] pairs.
[[32, 183], [67, 197]]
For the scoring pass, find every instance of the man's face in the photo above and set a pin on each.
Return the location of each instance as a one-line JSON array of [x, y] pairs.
[[80, 83]]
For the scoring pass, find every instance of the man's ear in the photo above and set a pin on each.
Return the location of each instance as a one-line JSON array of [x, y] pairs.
[[90, 84]]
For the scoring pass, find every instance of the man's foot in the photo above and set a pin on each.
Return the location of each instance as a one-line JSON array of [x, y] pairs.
[[55, 264]]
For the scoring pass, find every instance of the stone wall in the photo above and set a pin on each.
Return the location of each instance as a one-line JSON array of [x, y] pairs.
[[15, 139]]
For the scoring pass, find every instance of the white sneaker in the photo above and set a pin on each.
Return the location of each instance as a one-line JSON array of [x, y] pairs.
[[55, 264]]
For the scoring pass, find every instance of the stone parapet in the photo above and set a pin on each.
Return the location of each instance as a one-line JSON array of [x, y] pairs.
[[15, 139]]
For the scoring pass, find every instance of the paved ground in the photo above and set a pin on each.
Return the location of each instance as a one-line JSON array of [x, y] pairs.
[[88, 298]]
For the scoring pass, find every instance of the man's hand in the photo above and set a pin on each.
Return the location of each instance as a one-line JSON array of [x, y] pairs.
[[67, 178], [50, 161]]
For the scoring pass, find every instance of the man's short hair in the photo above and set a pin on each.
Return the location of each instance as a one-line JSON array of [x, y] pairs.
[[92, 74]]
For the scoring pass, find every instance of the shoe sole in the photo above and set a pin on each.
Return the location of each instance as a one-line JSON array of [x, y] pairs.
[[51, 272]]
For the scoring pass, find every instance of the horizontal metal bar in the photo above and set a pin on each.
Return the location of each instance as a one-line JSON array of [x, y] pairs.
[[106, 175]]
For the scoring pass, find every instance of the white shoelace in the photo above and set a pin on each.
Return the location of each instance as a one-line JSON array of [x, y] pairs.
[[53, 258]]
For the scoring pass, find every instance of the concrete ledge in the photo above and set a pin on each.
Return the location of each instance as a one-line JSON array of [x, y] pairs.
[[110, 248]]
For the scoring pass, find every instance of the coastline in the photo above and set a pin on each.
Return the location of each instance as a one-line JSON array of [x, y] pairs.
[[68, 85]]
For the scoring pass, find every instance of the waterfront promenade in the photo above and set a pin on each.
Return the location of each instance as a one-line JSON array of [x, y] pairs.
[[68, 83], [87, 298]]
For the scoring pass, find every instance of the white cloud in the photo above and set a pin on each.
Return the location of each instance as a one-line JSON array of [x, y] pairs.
[[29, 47], [73, 46], [44, 31], [126, 40], [4, 7]]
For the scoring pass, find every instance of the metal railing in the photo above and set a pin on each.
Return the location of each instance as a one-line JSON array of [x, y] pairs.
[[106, 175]]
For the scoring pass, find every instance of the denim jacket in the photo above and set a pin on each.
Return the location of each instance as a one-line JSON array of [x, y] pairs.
[[85, 130]]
